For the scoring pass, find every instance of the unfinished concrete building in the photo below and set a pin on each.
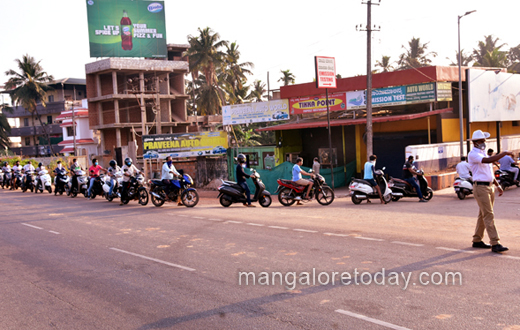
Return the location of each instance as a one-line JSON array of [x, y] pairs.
[[129, 97]]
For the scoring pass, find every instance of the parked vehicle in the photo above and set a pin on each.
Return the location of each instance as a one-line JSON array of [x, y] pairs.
[[231, 192], [289, 192], [362, 189], [29, 182], [463, 187], [151, 154], [136, 191], [42, 182], [506, 178], [61, 182], [107, 183], [401, 188], [219, 150], [181, 187], [2, 178]]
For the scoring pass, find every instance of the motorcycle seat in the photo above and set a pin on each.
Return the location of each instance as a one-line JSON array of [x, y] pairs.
[[402, 181], [362, 181]]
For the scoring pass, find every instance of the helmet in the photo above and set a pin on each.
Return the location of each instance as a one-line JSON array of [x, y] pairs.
[[5, 163], [40, 165], [128, 161], [241, 158], [112, 163]]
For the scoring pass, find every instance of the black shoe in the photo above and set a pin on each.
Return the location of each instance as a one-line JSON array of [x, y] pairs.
[[481, 245], [498, 248]]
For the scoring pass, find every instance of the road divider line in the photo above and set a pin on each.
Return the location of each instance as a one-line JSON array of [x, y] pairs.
[[231, 221], [306, 230], [369, 319], [54, 232], [182, 215], [255, 224], [508, 257], [277, 227], [28, 225], [406, 243], [333, 234], [153, 259], [454, 250], [215, 219], [370, 238], [198, 218]]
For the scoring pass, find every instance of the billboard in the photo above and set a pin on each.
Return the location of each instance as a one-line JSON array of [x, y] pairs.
[[492, 96], [311, 104], [184, 145], [126, 28], [256, 112]]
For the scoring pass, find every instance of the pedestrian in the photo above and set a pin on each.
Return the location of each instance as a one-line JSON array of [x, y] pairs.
[[316, 166], [484, 191]]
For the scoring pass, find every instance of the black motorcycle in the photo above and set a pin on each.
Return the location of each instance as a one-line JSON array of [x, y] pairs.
[[17, 180], [29, 182], [231, 192], [181, 187], [401, 188], [6, 180], [62, 182], [136, 191], [97, 189], [506, 178]]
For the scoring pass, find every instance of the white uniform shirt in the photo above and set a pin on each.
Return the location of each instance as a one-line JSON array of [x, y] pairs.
[[17, 168], [481, 171], [132, 170], [28, 168], [166, 175], [6, 169], [463, 170]]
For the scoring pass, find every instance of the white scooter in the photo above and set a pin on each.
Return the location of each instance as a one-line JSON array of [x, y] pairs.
[[118, 183], [463, 187], [362, 189], [82, 184], [43, 181], [1, 178]]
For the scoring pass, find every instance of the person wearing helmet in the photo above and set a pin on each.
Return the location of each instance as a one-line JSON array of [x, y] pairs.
[[16, 169], [129, 170], [28, 170], [241, 178], [6, 169], [111, 171], [59, 173]]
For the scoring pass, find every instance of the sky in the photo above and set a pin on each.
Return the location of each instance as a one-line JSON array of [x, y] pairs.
[[274, 35]]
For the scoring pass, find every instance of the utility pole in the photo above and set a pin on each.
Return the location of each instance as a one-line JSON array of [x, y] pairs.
[[74, 122]]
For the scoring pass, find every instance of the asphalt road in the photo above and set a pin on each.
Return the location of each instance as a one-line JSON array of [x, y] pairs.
[[78, 264]]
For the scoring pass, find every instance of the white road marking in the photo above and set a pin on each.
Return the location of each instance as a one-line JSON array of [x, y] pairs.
[[180, 215], [370, 239], [508, 257], [198, 218], [277, 227], [215, 219], [153, 259], [255, 224], [54, 232], [454, 250], [369, 319], [333, 234], [231, 221], [306, 230], [406, 243], [28, 225]]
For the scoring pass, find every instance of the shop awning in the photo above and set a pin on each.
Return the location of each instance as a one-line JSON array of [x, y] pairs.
[[67, 149], [78, 141], [348, 122]]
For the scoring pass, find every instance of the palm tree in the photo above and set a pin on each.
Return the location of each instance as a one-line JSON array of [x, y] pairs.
[[385, 64], [208, 97], [514, 60], [258, 91], [5, 128], [287, 77], [416, 55], [28, 88], [236, 72], [464, 59], [488, 53]]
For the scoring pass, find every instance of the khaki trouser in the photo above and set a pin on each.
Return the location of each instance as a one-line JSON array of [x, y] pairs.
[[485, 196]]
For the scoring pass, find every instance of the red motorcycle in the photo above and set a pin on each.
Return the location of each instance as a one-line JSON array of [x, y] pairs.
[[289, 192]]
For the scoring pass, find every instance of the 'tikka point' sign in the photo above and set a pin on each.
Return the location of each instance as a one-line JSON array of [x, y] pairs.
[[325, 72]]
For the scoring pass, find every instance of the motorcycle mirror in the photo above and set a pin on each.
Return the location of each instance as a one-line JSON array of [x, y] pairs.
[[384, 168]]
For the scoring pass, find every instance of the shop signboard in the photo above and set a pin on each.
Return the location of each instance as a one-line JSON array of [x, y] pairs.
[[325, 72], [420, 93], [255, 112], [126, 28], [311, 104], [185, 145], [380, 97], [444, 91]]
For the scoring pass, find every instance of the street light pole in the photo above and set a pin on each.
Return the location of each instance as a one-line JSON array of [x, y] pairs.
[[461, 118]]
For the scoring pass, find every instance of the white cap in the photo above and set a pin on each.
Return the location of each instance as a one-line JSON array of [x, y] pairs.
[[479, 135]]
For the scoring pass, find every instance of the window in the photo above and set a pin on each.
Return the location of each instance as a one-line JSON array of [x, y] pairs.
[[51, 98], [27, 141], [49, 120], [26, 122], [70, 131]]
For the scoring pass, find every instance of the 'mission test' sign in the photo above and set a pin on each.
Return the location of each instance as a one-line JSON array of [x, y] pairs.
[[325, 72]]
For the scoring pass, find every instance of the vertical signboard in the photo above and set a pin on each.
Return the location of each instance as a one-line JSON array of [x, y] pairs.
[[126, 28], [325, 72]]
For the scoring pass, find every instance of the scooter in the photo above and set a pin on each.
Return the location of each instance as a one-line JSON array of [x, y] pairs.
[[136, 191], [43, 182], [506, 179], [29, 182], [463, 187], [18, 178], [6, 183], [179, 187], [61, 182], [362, 189], [290, 192], [81, 184], [401, 188], [231, 192], [107, 183]]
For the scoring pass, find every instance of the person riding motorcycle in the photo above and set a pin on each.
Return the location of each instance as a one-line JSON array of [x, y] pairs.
[[16, 168], [94, 174], [26, 170], [73, 168], [408, 172], [111, 171], [6, 169], [241, 179], [58, 171], [37, 173], [167, 174], [129, 170]]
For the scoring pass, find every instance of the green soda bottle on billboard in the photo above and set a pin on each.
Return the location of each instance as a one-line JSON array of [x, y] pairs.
[[126, 32]]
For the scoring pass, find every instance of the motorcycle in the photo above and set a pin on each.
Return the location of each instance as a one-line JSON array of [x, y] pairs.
[[401, 188], [43, 182], [362, 189], [182, 187], [81, 188], [6, 183], [231, 192], [61, 182], [505, 179], [136, 191], [289, 192], [107, 183], [97, 189], [18, 178], [29, 182], [463, 187]]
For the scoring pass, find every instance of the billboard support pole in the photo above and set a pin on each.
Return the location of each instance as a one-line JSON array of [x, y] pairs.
[[143, 120], [330, 138], [498, 137]]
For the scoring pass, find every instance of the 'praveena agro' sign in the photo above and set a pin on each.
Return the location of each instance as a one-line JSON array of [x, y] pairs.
[[184, 145]]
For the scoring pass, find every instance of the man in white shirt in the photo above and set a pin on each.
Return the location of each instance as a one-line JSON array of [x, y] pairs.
[[484, 192], [16, 168], [463, 169], [7, 172], [167, 174], [28, 170]]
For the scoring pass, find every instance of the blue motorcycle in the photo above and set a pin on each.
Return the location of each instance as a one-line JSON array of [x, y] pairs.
[[179, 188]]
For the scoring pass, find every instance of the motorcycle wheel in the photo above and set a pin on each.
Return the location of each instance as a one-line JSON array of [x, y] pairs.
[[265, 201], [461, 195], [73, 193], [109, 198], [143, 197], [190, 198], [429, 194], [35, 191], [49, 189], [282, 197], [156, 201], [325, 196], [61, 192], [225, 202], [395, 198], [356, 200], [503, 185]]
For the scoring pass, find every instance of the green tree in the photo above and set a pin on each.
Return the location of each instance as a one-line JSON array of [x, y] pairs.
[[257, 94], [464, 59], [28, 87], [235, 72], [287, 77], [416, 55], [489, 53], [385, 64], [5, 128], [514, 60]]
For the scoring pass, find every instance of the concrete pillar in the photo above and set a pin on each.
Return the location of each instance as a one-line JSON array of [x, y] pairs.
[[116, 111], [114, 82], [118, 138]]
